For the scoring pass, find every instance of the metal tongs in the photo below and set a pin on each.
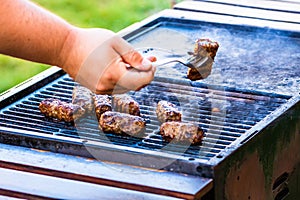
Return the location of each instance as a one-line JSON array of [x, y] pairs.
[[192, 60]]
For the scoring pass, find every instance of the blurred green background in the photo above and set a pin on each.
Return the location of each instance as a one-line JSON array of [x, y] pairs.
[[111, 14]]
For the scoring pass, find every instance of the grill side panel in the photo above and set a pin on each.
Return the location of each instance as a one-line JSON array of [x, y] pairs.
[[267, 165]]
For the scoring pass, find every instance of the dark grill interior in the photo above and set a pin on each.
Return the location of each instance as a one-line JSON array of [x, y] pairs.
[[224, 115]]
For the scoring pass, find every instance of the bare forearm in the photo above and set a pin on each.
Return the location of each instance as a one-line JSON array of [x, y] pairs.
[[96, 58], [32, 33]]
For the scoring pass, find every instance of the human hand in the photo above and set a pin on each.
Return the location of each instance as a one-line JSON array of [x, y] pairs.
[[104, 62]]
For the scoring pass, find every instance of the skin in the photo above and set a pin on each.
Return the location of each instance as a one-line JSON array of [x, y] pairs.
[[97, 58]]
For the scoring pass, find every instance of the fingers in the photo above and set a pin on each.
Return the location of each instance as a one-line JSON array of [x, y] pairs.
[[129, 55], [142, 72], [118, 78], [105, 69], [116, 90], [134, 79]]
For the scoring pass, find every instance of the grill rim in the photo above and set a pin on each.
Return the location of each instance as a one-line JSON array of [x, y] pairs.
[[111, 153], [29, 86], [196, 16]]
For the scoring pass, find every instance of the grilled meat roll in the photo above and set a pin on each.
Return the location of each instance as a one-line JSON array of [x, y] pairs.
[[121, 123], [83, 97], [203, 47], [167, 111], [102, 104], [63, 111], [181, 132], [126, 104]]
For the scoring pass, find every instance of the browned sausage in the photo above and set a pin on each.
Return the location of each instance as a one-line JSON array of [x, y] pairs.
[[102, 104], [63, 111], [121, 123], [203, 47], [126, 104], [83, 97], [181, 132], [167, 111]]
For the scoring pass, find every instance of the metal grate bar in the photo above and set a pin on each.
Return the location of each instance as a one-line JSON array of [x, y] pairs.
[[222, 126]]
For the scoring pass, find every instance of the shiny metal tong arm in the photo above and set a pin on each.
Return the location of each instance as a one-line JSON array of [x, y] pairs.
[[191, 61]]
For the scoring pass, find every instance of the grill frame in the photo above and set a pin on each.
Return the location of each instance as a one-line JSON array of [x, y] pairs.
[[127, 155], [233, 163]]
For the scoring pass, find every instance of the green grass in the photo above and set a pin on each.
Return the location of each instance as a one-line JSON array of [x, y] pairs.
[[111, 14]]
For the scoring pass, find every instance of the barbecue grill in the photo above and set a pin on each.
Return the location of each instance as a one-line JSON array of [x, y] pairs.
[[248, 108]]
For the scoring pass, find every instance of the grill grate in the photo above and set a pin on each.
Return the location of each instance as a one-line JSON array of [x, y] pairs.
[[224, 113]]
